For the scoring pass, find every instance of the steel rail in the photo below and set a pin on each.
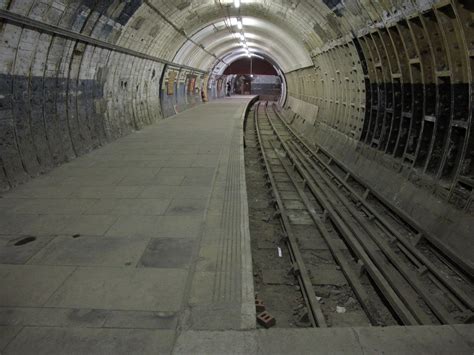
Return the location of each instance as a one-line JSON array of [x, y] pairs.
[[402, 242], [408, 311], [402, 308], [351, 276], [438, 309], [307, 288], [466, 268]]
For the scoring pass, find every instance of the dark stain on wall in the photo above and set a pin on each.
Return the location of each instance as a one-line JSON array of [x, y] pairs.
[[415, 76], [41, 126], [128, 11], [335, 6]]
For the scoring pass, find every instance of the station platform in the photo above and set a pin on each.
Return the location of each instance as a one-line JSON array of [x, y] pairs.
[[143, 247], [417, 340], [119, 249]]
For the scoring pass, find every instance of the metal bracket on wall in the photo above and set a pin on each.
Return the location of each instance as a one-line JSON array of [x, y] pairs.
[[43, 27]]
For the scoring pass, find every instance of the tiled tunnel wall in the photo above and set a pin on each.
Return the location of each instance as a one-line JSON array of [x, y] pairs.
[[183, 89], [332, 92], [60, 98], [400, 95], [397, 94]]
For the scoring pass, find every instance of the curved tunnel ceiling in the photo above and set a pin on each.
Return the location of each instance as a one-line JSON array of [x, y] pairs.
[[374, 71], [262, 37], [383, 86], [200, 33]]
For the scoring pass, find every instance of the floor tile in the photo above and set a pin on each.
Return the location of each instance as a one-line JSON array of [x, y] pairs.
[[168, 253], [88, 251], [107, 191], [71, 340], [20, 248], [185, 207], [179, 226], [28, 285], [168, 180], [146, 289], [135, 226], [54, 206], [7, 334], [160, 192], [137, 207], [140, 319], [69, 224], [11, 223]]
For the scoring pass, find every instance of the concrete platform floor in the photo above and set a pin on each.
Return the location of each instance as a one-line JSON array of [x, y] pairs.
[[142, 247], [133, 241], [429, 340]]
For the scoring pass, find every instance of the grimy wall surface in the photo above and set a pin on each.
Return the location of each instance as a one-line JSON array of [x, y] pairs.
[[404, 91], [386, 86], [395, 104], [61, 97]]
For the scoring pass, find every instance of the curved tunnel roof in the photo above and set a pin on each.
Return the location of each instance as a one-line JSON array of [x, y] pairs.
[[203, 34], [393, 75], [372, 149]]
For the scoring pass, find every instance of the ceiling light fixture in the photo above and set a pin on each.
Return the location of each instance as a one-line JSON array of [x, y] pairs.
[[242, 37], [236, 4], [239, 25]]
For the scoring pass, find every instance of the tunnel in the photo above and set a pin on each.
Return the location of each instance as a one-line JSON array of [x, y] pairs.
[[175, 175]]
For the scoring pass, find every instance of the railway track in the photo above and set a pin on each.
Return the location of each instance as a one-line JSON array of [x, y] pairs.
[[392, 271]]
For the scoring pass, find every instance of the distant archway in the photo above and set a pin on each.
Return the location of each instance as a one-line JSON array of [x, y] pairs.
[[253, 65], [255, 76]]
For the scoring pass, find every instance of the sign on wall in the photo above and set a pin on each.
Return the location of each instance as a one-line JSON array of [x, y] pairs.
[[171, 80], [191, 83]]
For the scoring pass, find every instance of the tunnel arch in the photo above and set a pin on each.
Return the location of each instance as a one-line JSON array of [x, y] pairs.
[[391, 79], [224, 39]]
